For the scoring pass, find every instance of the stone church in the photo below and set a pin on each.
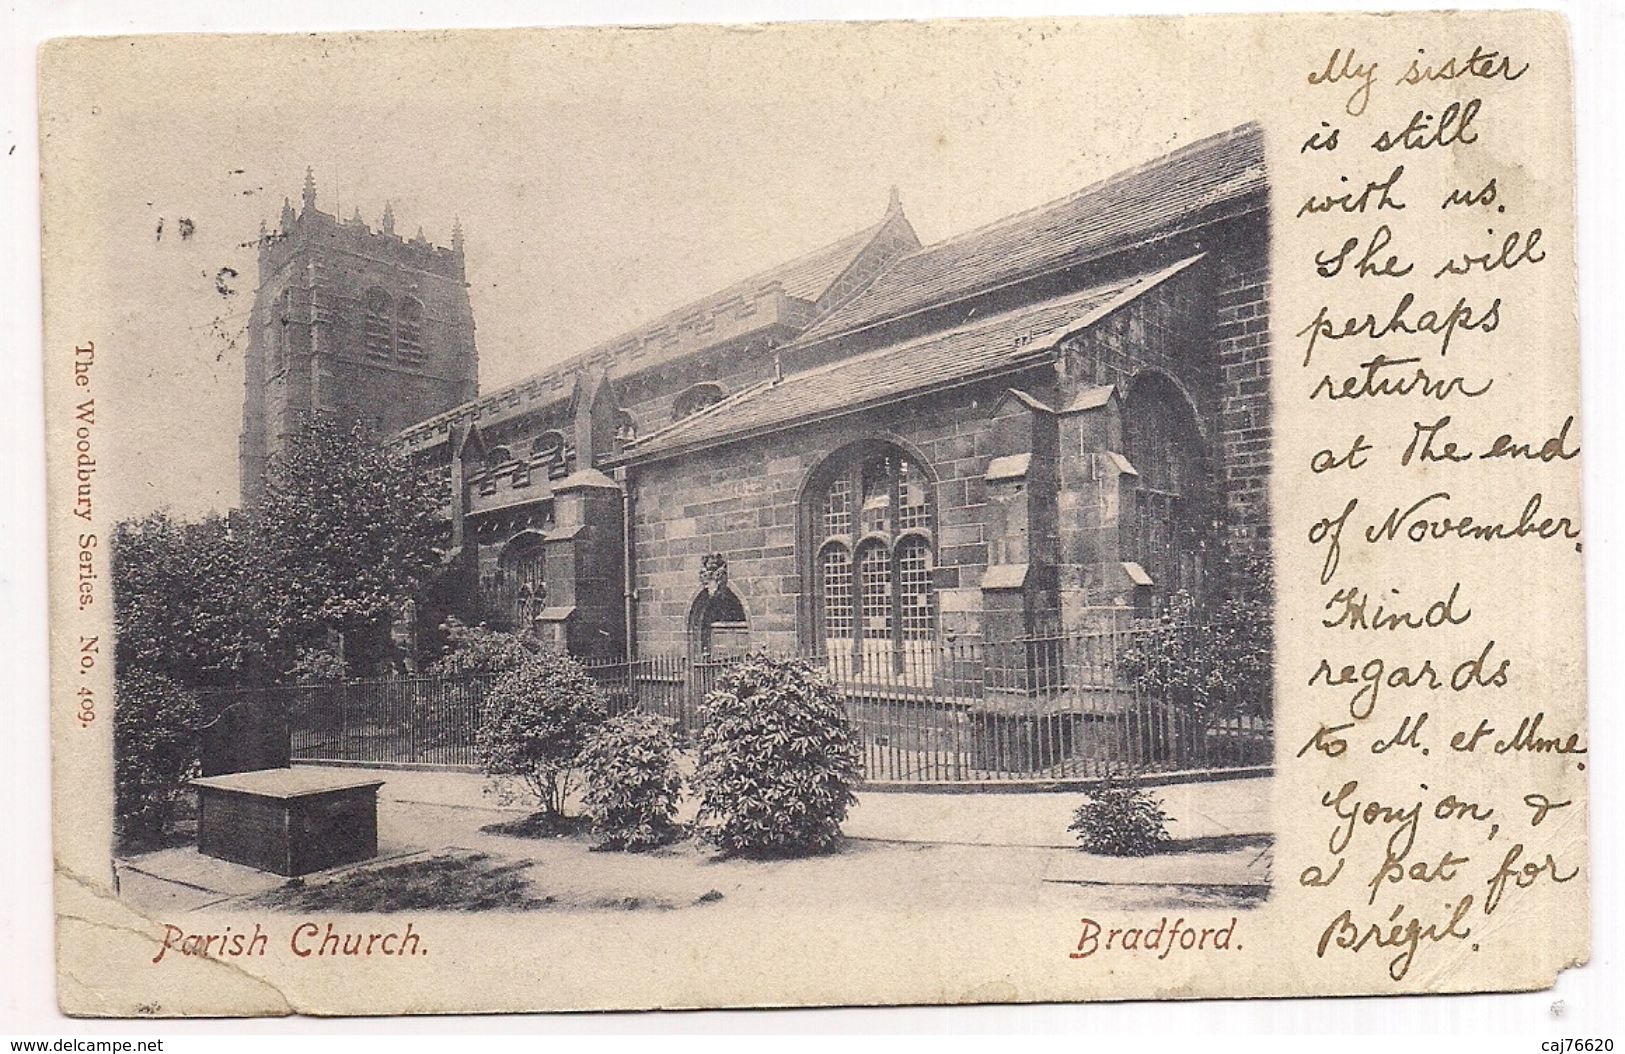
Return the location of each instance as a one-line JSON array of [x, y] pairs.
[[864, 451]]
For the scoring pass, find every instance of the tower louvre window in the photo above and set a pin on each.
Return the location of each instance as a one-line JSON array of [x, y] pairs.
[[276, 333], [376, 328], [409, 332]]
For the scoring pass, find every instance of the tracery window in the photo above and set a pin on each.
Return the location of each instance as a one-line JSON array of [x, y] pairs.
[[874, 610], [376, 336]]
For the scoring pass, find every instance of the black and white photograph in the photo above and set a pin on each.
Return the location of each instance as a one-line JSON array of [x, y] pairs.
[[965, 517]]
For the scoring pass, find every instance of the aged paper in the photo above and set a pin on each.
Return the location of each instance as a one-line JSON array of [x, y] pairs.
[[1156, 438]]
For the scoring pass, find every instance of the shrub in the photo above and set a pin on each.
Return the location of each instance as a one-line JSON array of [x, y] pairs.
[[777, 759], [632, 783], [537, 718], [155, 749], [1121, 818], [1215, 659], [316, 666], [477, 650]]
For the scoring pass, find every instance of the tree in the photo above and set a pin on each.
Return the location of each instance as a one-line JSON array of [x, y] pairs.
[[186, 600], [346, 532]]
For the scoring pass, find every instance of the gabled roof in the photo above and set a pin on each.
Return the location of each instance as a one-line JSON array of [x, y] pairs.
[[806, 277], [1175, 192], [996, 344]]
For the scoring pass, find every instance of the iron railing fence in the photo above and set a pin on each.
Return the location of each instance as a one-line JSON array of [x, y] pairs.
[[1035, 709]]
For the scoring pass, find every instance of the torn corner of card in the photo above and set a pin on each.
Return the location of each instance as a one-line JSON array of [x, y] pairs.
[[837, 514]]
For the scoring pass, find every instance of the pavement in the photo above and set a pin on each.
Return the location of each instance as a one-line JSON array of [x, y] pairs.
[[1018, 841], [1200, 811]]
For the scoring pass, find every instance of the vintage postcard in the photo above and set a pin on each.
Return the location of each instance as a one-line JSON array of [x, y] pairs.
[[769, 515]]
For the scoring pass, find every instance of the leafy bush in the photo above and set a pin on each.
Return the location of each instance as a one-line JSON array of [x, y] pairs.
[[477, 650], [1216, 658], [632, 781], [777, 759], [1121, 818], [316, 666], [537, 718], [155, 750]]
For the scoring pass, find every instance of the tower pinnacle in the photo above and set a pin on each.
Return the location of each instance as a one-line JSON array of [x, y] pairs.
[[310, 189], [456, 235], [387, 222]]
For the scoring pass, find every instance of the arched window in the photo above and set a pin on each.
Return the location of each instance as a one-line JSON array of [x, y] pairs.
[[695, 399], [1170, 528], [626, 426], [409, 332], [376, 336], [870, 511], [548, 450]]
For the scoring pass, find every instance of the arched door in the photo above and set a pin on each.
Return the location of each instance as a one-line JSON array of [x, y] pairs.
[[718, 627], [1169, 530], [718, 632]]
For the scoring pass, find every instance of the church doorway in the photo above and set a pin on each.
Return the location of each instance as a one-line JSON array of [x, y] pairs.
[[718, 627], [718, 632]]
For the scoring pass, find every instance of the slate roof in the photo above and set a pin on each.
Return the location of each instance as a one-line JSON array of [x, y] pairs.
[[998, 343], [806, 278], [1172, 193]]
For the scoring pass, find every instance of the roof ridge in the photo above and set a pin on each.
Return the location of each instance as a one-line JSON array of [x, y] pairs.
[[1247, 128], [963, 327], [994, 255]]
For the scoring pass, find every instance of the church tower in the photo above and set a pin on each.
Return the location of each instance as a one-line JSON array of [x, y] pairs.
[[352, 323]]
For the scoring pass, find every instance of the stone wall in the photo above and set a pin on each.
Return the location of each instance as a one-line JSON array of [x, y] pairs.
[[1243, 347], [1034, 496], [744, 501]]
